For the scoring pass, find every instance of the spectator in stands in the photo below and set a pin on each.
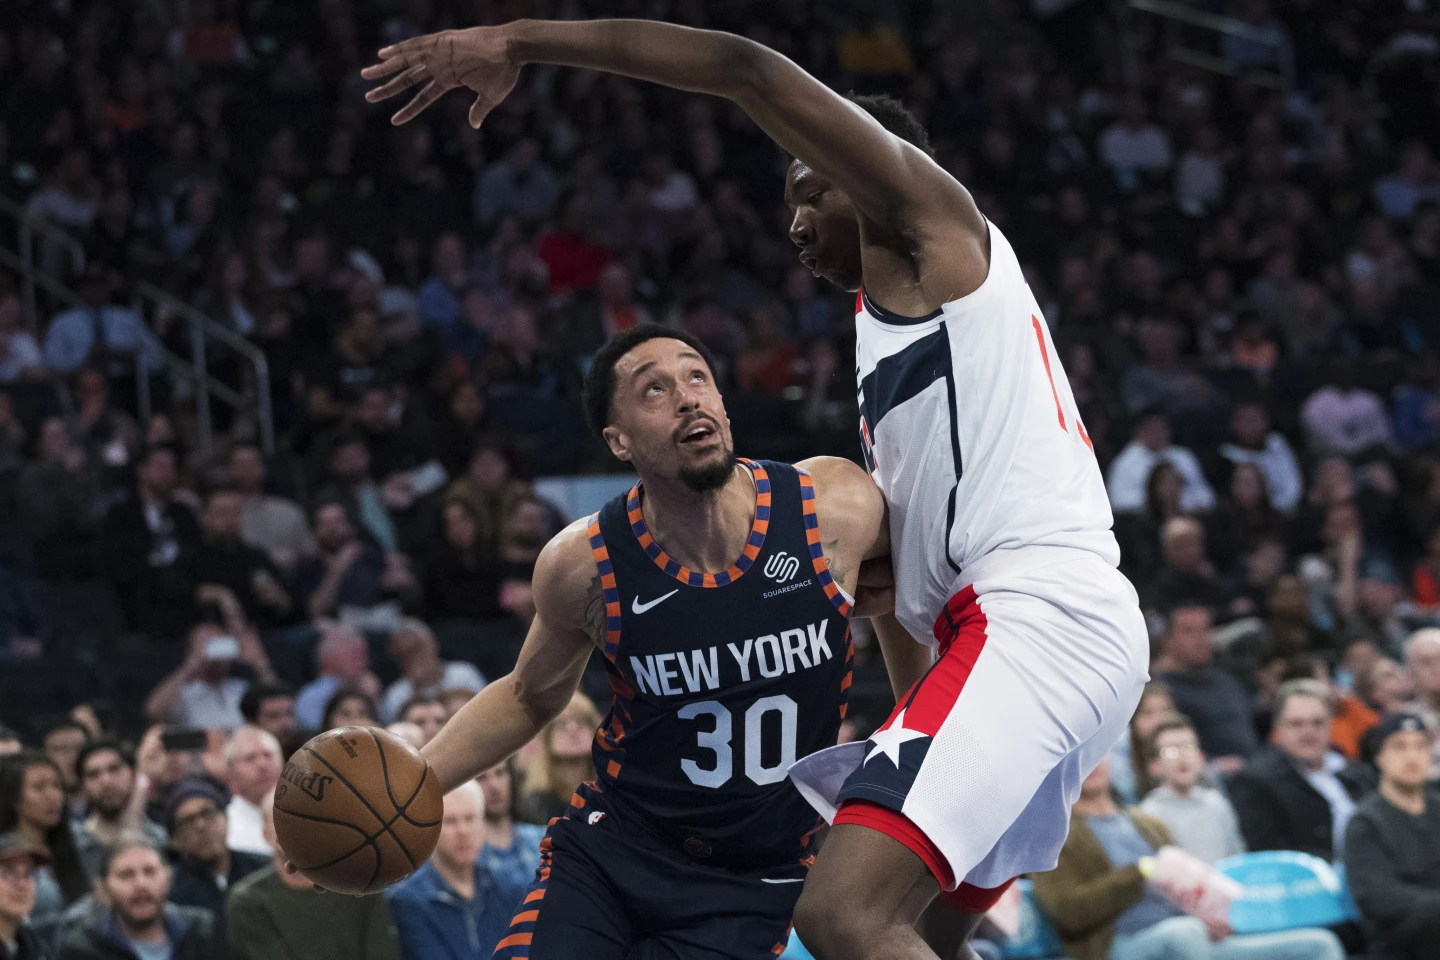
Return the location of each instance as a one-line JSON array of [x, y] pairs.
[[1392, 846], [562, 763], [132, 918], [1385, 686], [351, 482], [224, 560], [490, 489], [54, 497], [439, 295], [20, 866], [268, 522], [348, 572], [417, 653], [204, 867], [202, 693], [62, 743], [1187, 575], [342, 660], [1214, 701], [1100, 904], [151, 540], [275, 915], [511, 849], [1342, 418], [1133, 144], [114, 799], [32, 804], [459, 574], [271, 707], [1130, 470], [519, 183], [20, 357], [426, 713], [99, 333], [452, 908], [1245, 519], [1129, 764], [1289, 796], [1161, 380], [253, 762], [1198, 817], [9, 742], [350, 707]]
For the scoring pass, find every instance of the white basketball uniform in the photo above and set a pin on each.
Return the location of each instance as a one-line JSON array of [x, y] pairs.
[[1001, 543]]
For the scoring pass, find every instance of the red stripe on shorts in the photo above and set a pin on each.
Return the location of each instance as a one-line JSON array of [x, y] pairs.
[[961, 632]]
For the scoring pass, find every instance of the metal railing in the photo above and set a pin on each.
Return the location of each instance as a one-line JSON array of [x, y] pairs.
[[200, 328], [1176, 14]]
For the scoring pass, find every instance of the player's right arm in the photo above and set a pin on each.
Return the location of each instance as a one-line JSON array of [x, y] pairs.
[[893, 183], [511, 711]]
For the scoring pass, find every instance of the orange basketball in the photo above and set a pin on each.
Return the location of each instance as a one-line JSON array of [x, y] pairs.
[[357, 809]]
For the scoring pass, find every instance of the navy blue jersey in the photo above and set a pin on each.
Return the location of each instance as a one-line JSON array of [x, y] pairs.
[[721, 680]]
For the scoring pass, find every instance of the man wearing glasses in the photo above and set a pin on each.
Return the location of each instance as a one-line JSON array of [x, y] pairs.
[[204, 867], [18, 863], [1292, 795]]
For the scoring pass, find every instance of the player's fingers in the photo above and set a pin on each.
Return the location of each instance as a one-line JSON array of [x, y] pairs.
[[378, 71], [397, 84], [479, 110], [428, 94]]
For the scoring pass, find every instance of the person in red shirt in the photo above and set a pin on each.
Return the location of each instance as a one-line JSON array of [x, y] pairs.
[[574, 259]]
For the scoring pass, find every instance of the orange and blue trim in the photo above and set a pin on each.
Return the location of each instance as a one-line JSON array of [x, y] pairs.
[[610, 735], [817, 552], [693, 578], [515, 945]]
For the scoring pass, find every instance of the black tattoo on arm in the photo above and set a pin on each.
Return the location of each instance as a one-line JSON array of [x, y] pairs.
[[839, 570], [596, 620]]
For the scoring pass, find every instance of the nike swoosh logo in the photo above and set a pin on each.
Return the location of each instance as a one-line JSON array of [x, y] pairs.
[[786, 880], [637, 607]]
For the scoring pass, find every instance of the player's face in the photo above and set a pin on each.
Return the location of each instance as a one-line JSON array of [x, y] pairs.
[[669, 418], [825, 227]]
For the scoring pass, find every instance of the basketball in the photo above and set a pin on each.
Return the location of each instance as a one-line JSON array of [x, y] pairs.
[[357, 809]]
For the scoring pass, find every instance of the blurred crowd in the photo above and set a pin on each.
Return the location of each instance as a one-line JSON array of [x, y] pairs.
[[1242, 274]]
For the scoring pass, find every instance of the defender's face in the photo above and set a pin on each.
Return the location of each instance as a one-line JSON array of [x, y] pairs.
[[825, 227], [668, 418]]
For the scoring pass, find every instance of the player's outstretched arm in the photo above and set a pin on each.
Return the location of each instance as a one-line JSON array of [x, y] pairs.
[[511, 711], [891, 181]]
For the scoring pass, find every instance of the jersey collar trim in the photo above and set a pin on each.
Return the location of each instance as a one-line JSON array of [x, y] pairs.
[[693, 578], [863, 304]]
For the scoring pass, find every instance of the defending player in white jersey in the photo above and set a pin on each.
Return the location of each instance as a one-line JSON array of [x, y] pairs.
[[1003, 559]]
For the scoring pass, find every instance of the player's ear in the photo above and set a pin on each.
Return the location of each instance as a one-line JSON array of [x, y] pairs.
[[618, 443]]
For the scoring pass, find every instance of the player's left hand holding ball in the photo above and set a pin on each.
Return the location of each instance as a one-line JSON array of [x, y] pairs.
[[357, 809]]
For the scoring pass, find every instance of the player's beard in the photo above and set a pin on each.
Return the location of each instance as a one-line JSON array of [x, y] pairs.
[[707, 477]]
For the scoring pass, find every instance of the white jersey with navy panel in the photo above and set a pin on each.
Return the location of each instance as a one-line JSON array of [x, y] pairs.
[[970, 429]]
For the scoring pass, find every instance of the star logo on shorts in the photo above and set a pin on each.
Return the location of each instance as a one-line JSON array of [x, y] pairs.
[[888, 741]]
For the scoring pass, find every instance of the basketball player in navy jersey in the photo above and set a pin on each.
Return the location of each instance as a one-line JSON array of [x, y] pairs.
[[718, 592], [1004, 561]]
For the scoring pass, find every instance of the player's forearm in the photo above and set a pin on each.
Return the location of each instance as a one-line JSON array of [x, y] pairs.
[[495, 723], [701, 61], [905, 660]]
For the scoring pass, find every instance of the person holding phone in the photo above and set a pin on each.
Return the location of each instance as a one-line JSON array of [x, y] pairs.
[[202, 694]]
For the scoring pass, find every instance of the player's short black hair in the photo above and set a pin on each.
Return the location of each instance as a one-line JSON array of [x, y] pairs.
[[895, 117], [599, 389]]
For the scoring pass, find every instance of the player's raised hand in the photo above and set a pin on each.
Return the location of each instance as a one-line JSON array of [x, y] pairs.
[[478, 59]]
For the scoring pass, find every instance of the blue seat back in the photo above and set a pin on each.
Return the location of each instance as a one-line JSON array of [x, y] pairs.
[[1284, 890]]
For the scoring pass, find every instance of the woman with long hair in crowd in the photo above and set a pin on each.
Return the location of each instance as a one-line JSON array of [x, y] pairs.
[[1245, 517], [562, 761], [1139, 533], [1128, 772], [32, 804], [349, 707]]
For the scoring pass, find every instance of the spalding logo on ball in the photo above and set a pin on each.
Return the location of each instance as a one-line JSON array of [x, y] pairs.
[[357, 809]]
